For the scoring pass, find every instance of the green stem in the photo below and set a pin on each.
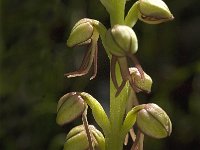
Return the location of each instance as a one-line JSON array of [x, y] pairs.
[[117, 12], [116, 18], [117, 110], [114, 140], [117, 104]]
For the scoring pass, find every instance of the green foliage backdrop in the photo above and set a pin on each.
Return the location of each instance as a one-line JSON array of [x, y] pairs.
[[34, 57]]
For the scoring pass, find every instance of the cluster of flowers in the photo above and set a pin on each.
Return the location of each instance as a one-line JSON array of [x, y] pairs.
[[120, 42]]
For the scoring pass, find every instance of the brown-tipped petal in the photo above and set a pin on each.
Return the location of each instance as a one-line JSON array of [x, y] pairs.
[[113, 75], [95, 63], [137, 65]]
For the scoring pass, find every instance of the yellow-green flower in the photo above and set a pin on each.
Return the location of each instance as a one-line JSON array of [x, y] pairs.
[[70, 106], [153, 121], [77, 139], [154, 11], [122, 43], [84, 33], [145, 83]]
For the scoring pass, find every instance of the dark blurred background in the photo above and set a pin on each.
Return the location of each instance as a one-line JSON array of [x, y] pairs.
[[34, 57]]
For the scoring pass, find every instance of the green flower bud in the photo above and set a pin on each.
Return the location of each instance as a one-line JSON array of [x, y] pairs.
[[153, 121], [121, 40], [142, 83], [77, 139], [81, 33], [69, 107], [154, 11]]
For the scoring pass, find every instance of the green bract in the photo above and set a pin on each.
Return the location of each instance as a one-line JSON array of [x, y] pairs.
[[77, 139], [121, 40], [70, 107], [154, 11], [153, 121], [81, 33], [143, 84]]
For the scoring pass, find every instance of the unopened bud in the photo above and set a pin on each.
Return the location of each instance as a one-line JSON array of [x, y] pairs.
[[154, 11], [153, 121], [144, 83], [70, 107], [121, 40], [77, 139], [81, 33]]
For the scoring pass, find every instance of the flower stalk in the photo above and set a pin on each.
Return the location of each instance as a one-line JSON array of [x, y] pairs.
[[121, 44]]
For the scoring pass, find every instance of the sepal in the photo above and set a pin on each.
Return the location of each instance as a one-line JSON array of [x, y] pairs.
[[121, 40], [154, 11], [70, 107], [81, 33], [153, 121], [77, 139]]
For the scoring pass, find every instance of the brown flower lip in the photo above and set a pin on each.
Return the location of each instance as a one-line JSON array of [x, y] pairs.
[[90, 58], [84, 33]]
